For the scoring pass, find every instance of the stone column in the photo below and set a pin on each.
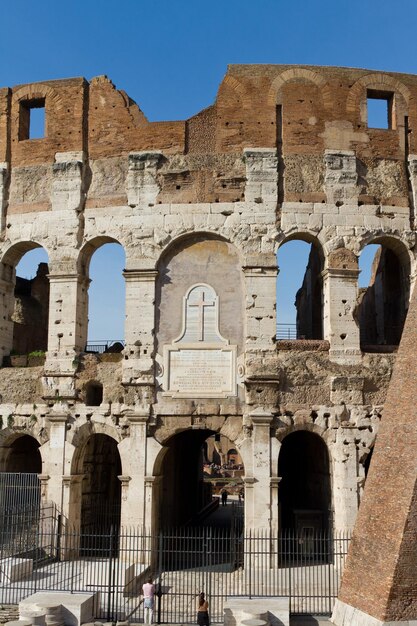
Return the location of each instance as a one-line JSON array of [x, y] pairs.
[[340, 328], [275, 480], [139, 326]]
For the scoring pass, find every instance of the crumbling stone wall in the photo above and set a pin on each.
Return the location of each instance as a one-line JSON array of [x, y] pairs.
[[285, 152]]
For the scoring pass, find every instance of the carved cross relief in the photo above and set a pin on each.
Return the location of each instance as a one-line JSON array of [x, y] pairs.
[[201, 316]]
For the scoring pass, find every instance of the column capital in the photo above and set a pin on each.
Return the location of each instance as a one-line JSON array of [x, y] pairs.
[[138, 417], [57, 418], [261, 417], [72, 479]]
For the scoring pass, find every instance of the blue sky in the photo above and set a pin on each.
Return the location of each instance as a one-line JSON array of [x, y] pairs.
[[171, 55]]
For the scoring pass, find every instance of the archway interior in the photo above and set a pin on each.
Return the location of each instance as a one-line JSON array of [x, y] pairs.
[[194, 469], [299, 291], [382, 296], [101, 487], [304, 491], [31, 303]]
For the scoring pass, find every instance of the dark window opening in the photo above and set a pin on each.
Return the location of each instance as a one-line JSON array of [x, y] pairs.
[[94, 394], [32, 119], [380, 109]]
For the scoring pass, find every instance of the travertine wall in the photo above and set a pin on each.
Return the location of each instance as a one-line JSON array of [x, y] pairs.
[[284, 152]]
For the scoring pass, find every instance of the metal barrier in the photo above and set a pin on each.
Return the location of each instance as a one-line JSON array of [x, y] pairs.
[[183, 562], [100, 346], [287, 331]]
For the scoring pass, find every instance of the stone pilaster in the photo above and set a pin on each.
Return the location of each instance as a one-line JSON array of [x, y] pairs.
[[142, 185], [67, 333], [6, 312], [412, 169], [67, 182], [345, 480], [260, 286], [339, 326], [341, 178], [261, 450], [139, 326], [72, 497], [3, 193], [54, 459], [133, 453], [261, 175]]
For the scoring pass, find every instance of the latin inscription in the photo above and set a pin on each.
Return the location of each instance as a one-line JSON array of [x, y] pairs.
[[200, 371]]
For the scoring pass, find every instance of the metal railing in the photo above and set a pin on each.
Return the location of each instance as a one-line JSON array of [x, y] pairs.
[[286, 331], [222, 563], [104, 345]]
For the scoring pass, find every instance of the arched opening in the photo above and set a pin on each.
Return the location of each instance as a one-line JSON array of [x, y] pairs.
[[103, 263], [101, 487], [367, 462], [22, 456], [299, 291], [93, 393], [383, 294], [28, 264], [193, 471], [20, 464], [305, 490]]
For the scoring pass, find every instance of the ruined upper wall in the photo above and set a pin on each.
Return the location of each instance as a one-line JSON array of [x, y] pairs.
[[302, 111]]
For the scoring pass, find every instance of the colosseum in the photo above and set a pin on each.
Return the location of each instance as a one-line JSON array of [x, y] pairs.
[[201, 208]]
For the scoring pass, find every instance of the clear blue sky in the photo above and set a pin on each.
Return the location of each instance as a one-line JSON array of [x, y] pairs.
[[170, 55]]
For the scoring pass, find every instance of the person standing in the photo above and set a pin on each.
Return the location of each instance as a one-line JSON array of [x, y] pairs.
[[148, 590], [224, 496], [202, 611]]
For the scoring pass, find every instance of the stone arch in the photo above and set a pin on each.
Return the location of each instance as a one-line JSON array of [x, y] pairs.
[[25, 301], [179, 489], [98, 464], [20, 452], [17, 250], [35, 91], [299, 74], [235, 85], [91, 298], [90, 247], [383, 304], [305, 493], [306, 292], [79, 437], [192, 259], [379, 82]]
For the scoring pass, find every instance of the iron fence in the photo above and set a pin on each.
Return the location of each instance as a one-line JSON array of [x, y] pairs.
[[183, 562], [99, 346], [287, 331]]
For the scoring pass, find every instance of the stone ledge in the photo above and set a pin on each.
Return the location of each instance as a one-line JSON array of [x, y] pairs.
[[303, 345]]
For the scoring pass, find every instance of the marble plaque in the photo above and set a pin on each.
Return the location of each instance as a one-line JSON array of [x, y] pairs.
[[201, 372]]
